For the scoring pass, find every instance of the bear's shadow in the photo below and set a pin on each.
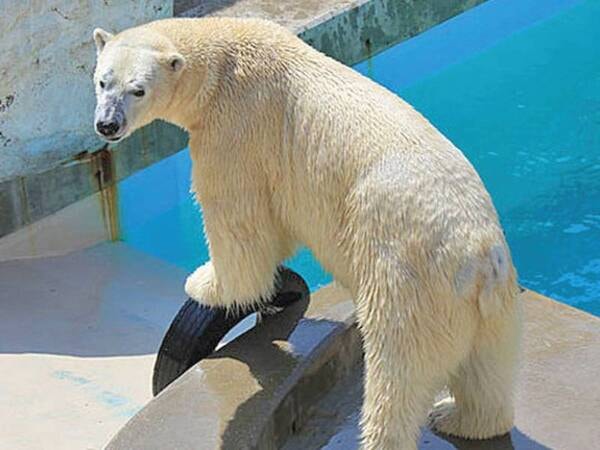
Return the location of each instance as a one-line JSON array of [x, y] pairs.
[[515, 440]]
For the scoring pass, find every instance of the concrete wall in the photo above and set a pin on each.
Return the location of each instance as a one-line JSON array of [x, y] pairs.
[[46, 63]]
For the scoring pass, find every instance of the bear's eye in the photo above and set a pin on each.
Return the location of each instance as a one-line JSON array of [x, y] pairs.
[[139, 93], [101, 84]]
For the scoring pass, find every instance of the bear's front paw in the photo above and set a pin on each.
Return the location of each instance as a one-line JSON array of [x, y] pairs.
[[201, 285]]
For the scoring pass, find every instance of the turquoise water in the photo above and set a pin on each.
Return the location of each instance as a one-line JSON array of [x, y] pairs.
[[158, 215], [516, 86], [524, 107]]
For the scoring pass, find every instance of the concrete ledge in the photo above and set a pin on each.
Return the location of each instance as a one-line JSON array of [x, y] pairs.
[[365, 28], [260, 390], [257, 390], [348, 30]]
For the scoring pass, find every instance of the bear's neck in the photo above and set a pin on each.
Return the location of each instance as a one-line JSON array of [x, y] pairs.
[[227, 65], [192, 93]]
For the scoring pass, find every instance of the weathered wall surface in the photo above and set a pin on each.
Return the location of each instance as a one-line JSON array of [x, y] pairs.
[[46, 64]]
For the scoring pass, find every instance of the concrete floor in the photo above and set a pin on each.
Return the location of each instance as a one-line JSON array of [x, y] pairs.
[[79, 335]]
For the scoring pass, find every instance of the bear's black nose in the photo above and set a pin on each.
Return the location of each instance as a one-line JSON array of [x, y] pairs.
[[107, 128]]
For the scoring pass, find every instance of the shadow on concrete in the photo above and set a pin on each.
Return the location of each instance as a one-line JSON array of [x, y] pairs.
[[108, 300], [269, 364], [279, 345], [516, 440]]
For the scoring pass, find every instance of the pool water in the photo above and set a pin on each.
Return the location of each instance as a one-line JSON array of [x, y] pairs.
[[515, 84], [158, 215], [524, 106]]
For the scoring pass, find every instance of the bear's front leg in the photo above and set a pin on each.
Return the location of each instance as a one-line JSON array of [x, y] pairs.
[[245, 249]]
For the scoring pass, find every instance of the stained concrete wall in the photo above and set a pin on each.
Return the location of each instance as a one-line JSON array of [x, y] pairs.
[[46, 64]]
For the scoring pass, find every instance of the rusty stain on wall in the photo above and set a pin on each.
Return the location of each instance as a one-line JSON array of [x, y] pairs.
[[103, 170]]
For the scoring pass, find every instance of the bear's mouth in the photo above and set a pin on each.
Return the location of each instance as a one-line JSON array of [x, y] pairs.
[[113, 139]]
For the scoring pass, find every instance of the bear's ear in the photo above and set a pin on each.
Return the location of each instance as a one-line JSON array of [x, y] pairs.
[[176, 62], [101, 37]]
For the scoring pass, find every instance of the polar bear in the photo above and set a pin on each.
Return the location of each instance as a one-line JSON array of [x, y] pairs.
[[289, 148]]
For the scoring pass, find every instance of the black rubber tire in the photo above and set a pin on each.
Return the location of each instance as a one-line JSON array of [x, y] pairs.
[[196, 330]]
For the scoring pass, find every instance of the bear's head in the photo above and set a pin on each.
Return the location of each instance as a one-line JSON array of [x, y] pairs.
[[136, 76]]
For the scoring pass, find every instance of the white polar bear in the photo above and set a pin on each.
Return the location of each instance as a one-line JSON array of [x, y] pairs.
[[290, 147]]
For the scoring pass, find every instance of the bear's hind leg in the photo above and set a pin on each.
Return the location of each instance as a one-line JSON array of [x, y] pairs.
[[409, 355], [483, 385]]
